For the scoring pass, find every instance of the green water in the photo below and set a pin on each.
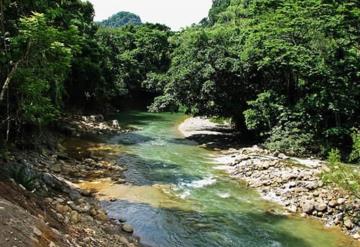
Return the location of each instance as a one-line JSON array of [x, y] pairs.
[[182, 200]]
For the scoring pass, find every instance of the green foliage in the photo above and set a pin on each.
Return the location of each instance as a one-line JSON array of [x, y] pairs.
[[164, 103], [40, 77], [121, 19], [290, 138], [22, 175], [255, 61], [264, 112], [334, 156], [355, 154], [341, 174], [137, 57]]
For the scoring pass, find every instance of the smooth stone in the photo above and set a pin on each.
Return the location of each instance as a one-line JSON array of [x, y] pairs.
[[127, 228]]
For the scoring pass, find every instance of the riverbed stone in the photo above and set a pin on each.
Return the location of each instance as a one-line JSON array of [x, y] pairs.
[[308, 207], [321, 207], [348, 223], [127, 228]]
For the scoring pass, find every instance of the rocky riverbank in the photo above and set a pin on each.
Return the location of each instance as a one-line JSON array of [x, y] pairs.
[[53, 210], [292, 182]]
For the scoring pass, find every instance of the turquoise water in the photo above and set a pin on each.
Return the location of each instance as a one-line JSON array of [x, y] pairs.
[[179, 198]]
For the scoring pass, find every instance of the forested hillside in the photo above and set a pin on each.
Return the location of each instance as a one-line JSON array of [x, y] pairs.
[[287, 71], [121, 19]]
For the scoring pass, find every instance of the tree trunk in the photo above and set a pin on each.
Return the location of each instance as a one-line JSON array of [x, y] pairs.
[[12, 73], [8, 80]]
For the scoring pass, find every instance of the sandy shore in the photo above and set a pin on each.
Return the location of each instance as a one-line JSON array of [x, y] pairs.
[[201, 126]]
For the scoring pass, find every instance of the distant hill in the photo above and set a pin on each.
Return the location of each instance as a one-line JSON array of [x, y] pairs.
[[120, 19]]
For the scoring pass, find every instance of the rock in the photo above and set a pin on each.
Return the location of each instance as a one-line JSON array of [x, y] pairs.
[[74, 195], [356, 236], [292, 185], [341, 201], [93, 212], [37, 232], [115, 124], [56, 168], [52, 244], [101, 216], [333, 203], [311, 185], [62, 209], [121, 181], [127, 228], [85, 193], [124, 240], [74, 217], [308, 207], [292, 209], [122, 220], [282, 156], [348, 223], [321, 207]]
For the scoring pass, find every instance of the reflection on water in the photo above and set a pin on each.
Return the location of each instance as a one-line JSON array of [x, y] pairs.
[[178, 198]]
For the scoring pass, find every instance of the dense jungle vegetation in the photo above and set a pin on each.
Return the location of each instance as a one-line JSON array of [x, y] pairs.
[[286, 72]]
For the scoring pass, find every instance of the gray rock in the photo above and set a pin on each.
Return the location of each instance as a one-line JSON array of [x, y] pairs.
[[321, 207], [341, 201], [127, 228], [74, 195], [348, 224], [308, 207]]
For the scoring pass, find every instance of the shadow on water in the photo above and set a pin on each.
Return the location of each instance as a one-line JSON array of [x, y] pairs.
[[134, 118], [131, 138], [149, 171], [174, 227]]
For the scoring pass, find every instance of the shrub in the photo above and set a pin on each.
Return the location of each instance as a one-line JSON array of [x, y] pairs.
[[264, 112], [341, 174], [355, 153], [24, 176]]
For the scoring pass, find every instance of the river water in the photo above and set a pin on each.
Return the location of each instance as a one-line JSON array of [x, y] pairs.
[[179, 198]]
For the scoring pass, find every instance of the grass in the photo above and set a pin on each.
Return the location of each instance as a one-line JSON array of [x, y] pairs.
[[343, 175]]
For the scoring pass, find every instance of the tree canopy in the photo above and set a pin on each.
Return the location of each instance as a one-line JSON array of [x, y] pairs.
[[286, 70]]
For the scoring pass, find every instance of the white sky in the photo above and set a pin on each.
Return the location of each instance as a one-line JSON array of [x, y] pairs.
[[173, 13]]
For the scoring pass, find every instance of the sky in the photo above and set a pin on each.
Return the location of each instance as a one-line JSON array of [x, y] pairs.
[[176, 14]]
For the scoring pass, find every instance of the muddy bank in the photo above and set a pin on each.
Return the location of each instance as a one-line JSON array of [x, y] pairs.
[[292, 182], [41, 203]]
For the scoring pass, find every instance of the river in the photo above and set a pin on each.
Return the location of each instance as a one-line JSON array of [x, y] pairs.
[[177, 197]]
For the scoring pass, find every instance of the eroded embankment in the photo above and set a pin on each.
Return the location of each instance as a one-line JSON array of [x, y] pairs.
[[41, 205]]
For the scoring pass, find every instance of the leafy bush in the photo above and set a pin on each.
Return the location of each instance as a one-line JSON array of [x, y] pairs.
[[334, 156], [341, 174], [355, 154], [290, 138], [164, 103], [23, 175], [264, 111]]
